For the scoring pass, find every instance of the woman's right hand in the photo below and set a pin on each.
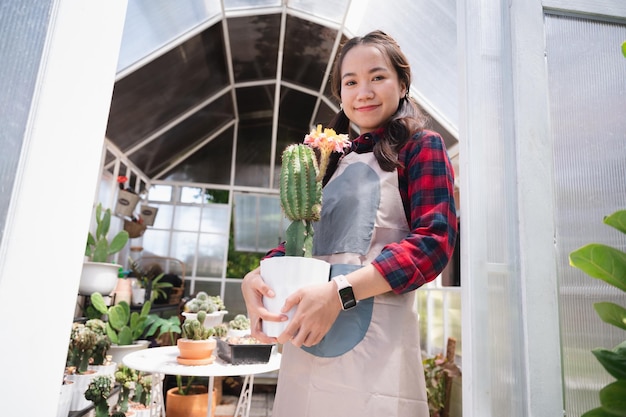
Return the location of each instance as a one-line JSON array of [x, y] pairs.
[[254, 289]]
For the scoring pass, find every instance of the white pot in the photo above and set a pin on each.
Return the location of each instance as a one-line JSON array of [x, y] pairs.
[[65, 399], [211, 320], [118, 352], [285, 275], [80, 384], [98, 277], [237, 333], [138, 296]]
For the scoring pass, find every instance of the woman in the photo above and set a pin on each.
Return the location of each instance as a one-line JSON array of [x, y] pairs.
[[388, 226]]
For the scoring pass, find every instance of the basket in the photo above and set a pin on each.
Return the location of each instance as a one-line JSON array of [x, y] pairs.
[[134, 229], [176, 295]]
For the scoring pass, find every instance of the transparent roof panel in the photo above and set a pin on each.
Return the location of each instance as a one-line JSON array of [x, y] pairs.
[[166, 88], [254, 147], [254, 51], [150, 25], [333, 10], [247, 4], [308, 47], [210, 164], [256, 102]]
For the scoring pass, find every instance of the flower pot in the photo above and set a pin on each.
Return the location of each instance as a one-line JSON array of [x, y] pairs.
[[65, 399], [80, 383], [211, 320], [118, 352], [134, 229], [190, 405], [195, 352], [98, 277], [148, 214], [126, 203], [138, 296], [285, 275]]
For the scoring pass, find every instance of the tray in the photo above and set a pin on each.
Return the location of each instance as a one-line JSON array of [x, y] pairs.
[[239, 354]]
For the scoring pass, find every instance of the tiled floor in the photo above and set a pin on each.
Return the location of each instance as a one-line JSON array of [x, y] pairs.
[[261, 405]]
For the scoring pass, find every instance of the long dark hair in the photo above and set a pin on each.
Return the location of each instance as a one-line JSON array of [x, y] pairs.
[[405, 122]]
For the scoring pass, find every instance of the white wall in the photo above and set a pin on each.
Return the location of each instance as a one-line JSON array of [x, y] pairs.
[[50, 209]]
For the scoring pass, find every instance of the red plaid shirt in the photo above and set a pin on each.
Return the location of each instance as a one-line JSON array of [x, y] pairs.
[[426, 183]]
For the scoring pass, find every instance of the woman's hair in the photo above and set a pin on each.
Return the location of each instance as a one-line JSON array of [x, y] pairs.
[[405, 122]]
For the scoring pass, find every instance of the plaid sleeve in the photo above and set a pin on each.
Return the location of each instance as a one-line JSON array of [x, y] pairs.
[[277, 251], [426, 184]]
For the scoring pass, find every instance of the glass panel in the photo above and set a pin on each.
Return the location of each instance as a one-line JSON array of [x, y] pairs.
[[215, 218], [164, 217], [258, 222], [254, 40], [180, 139], [184, 248], [254, 143], [187, 218], [329, 9], [160, 193], [191, 195], [156, 242], [152, 24], [306, 52], [209, 164], [248, 4], [211, 255], [587, 84], [163, 89], [256, 102]]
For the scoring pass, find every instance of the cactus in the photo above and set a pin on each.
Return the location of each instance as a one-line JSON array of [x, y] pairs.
[[82, 343], [99, 391], [143, 389], [301, 186], [127, 378], [240, 322], [98, 247], [123, 327], [204, 302], [193, 328], [103, 342]]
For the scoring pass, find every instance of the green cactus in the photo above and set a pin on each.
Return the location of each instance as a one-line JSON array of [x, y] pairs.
[[82, 343], [300, 198], [143, 389], [98, 247], [103, 342], [127, 378], [99, 391], [123, 327], [240, 322], [193, 328]]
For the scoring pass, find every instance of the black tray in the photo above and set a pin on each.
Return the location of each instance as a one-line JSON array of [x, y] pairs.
[[240, 354]]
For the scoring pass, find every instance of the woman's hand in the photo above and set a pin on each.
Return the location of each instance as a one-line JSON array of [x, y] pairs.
[[254, 289], [317, 309]]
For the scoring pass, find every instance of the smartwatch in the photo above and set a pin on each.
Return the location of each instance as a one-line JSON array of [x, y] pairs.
[[344, 289]]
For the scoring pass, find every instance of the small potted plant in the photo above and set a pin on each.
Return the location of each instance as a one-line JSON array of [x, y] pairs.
[[149, 285], [196, 345], [100, 275], [126, 378], [239, 326], [141, 402], [99, 391], [124, 328], [212, 305]]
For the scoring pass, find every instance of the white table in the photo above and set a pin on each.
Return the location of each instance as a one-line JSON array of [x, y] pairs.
[[162, 360]]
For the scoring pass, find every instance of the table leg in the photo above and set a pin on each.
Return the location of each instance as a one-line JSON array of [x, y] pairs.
[[211, 382], [245, 398]]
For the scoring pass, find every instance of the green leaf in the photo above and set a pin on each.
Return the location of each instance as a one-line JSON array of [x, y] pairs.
[[613, 398], [125, 336], [624, 49], [612, 313], [602, 262], [118, 316], [118, 242], [598, 412], [97, 300], [614, 361], [617, 219]]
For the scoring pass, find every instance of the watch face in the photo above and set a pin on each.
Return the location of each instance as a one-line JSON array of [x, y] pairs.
[[347, 298]]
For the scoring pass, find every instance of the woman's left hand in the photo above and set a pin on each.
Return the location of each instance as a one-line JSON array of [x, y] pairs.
[[317, 309]]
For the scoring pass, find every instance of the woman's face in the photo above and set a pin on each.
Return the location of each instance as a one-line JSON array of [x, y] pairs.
[[370, 88]]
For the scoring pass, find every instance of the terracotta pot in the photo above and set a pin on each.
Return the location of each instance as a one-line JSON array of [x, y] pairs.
[[190, 405], [196, 349]]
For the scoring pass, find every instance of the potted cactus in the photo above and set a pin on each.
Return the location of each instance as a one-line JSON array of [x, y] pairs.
[[301, 178], [196, 345], [100, 275], [99, 391], [210, 304]]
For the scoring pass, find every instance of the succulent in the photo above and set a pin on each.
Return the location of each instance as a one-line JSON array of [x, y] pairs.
[[143, 389], [204, 302], [82, 343], [127, 378], [123, 327], [301, 186], [193, 328], [221, 330], [98, 247], [240, 322], [99, 391], [103, 342]]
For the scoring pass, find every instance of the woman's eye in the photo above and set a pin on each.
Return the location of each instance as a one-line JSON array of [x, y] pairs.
[[378, 78], [349, 83]]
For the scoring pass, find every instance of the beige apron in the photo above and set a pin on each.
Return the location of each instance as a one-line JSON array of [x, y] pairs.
[[370, 362]]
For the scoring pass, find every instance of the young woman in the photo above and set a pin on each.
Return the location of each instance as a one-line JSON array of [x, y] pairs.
[[388, 226]]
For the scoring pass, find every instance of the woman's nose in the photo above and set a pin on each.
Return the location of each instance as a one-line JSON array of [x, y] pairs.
[[365, 92]]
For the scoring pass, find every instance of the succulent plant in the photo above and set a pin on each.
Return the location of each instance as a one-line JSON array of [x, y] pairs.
[[204, 302], [240, 322], [193, 327], [143, 389], [103, 342], [98, 247], [123, 327], [127, 378], [99, 391], [82, 343], [301, 186]]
